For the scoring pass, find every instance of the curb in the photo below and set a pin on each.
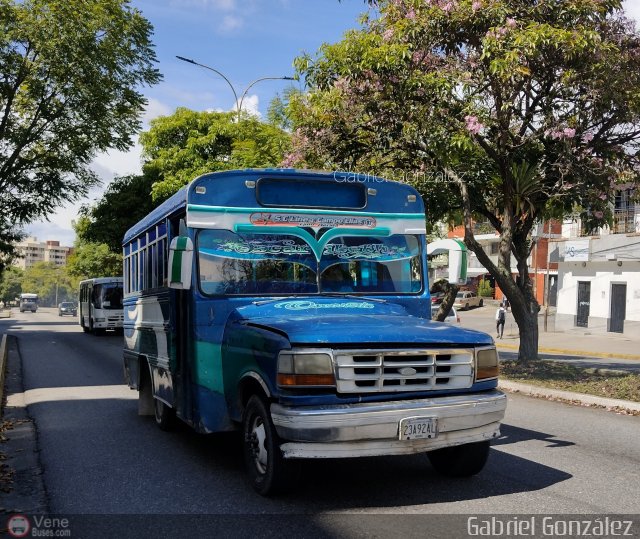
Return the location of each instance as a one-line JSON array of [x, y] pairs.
[[569, 396], [568, 352], [3, 365], [27, 493]]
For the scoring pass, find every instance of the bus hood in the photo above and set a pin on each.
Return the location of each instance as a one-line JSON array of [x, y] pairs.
[[351, 321]]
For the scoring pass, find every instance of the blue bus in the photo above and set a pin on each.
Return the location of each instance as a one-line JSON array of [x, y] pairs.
[[294, 306]]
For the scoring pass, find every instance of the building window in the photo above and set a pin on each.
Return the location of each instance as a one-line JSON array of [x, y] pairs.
[[624, 213]]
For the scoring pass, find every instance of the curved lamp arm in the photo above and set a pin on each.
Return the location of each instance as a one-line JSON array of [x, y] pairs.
[[235, 95], [244, 94]]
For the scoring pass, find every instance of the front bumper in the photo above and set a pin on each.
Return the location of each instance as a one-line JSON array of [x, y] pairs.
[[371, 429]]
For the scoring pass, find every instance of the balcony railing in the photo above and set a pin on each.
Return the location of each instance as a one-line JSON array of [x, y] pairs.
[[624, 222]]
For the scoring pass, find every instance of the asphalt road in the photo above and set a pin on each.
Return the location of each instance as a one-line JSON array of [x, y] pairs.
[[99, 457]]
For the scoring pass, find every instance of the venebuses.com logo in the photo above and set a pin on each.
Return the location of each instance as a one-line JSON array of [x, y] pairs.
[[37, 526], [18, 526]]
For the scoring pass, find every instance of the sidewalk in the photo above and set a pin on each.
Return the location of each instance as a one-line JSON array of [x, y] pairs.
[[577, 343]]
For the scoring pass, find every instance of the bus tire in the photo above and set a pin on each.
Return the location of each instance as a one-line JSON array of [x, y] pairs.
[[164, 415], [460, 460], [269, 472]]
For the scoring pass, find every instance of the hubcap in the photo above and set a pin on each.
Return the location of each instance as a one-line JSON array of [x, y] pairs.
[[257, 438]]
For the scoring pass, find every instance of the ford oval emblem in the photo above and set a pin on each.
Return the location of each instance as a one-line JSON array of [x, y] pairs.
[[407, 371]]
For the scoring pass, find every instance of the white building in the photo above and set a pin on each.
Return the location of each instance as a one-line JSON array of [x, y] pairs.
[[32, 251], [599, 276]]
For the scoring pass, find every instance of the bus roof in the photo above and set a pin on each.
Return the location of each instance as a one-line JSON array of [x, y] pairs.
[[102, 280], [27, 295], [292, 189]]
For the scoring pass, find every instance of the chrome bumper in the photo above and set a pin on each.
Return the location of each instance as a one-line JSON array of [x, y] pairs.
[[371, 429]]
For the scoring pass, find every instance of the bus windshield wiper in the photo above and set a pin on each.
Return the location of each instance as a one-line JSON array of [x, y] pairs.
[[351, 296]]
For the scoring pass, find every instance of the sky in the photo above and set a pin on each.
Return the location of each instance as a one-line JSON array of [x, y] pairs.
[[243, 39]]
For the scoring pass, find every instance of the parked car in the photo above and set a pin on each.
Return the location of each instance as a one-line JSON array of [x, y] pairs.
[[465, 300], [436, 298], [67, 307], [452, 317]]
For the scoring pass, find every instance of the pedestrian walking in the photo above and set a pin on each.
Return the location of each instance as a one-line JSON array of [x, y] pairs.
[[505, 303], [501, 318]]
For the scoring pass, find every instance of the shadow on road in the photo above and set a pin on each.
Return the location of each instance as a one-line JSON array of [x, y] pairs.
[[512, 435], [377, 482]]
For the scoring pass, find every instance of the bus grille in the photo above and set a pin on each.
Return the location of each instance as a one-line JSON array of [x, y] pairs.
[[378, 371]]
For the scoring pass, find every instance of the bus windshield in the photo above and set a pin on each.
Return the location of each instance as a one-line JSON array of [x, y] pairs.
[[107, 296], [281, 264]]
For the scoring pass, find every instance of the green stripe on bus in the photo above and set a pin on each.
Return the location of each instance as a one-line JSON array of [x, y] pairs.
[[176, 267]]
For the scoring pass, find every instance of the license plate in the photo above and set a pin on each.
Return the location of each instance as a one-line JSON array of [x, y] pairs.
[[415, 428]]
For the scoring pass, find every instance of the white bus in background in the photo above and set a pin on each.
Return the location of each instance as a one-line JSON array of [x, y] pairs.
[[100, 305], [28, 302]]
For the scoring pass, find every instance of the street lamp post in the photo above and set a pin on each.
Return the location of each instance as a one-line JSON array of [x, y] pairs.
[[235, 94]]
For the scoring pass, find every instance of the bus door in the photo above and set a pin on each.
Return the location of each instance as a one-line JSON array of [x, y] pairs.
[[180, 325]]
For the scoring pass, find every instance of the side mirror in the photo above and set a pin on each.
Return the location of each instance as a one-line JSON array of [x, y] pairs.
[[180, 263]]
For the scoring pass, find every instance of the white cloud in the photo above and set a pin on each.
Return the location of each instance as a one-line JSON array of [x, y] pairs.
[[250, 104], [222, 5], [230, 23], [153, 110], [632, 9]]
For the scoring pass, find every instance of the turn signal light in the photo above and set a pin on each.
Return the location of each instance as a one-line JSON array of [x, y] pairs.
[[292, 380]]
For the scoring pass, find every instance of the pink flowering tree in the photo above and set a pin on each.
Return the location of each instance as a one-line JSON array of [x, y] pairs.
[[509, 111]]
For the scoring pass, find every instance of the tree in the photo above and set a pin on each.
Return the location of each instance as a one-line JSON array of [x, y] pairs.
[[70, 74], [50, 282], [9, 236], [94, 260], [511, 111], [124, 203], [10, 284], [180, 147]]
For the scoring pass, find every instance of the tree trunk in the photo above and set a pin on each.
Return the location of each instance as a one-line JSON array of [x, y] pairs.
[[519, 293], [526, 316], [450, 291]]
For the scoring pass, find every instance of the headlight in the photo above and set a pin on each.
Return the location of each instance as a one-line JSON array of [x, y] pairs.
[[486, 363], [298, 369]]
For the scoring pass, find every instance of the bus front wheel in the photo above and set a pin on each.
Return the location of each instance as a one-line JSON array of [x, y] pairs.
[[269, 472], [460, 460], [165, 415]]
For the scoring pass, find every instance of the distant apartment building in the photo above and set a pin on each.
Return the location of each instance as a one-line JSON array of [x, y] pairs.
[[32, 251]]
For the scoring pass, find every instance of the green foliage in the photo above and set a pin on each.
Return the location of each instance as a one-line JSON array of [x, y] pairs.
[[9, 236], [124, 203], [71, 72], [484, 289], [50, 282], [10, 284], [90, 260], [181, 147]]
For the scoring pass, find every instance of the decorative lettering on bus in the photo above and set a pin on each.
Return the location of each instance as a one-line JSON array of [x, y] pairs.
[[370, 251], [312, 220]]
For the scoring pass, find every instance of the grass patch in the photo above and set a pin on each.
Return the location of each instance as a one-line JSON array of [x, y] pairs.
[[558, 375]]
